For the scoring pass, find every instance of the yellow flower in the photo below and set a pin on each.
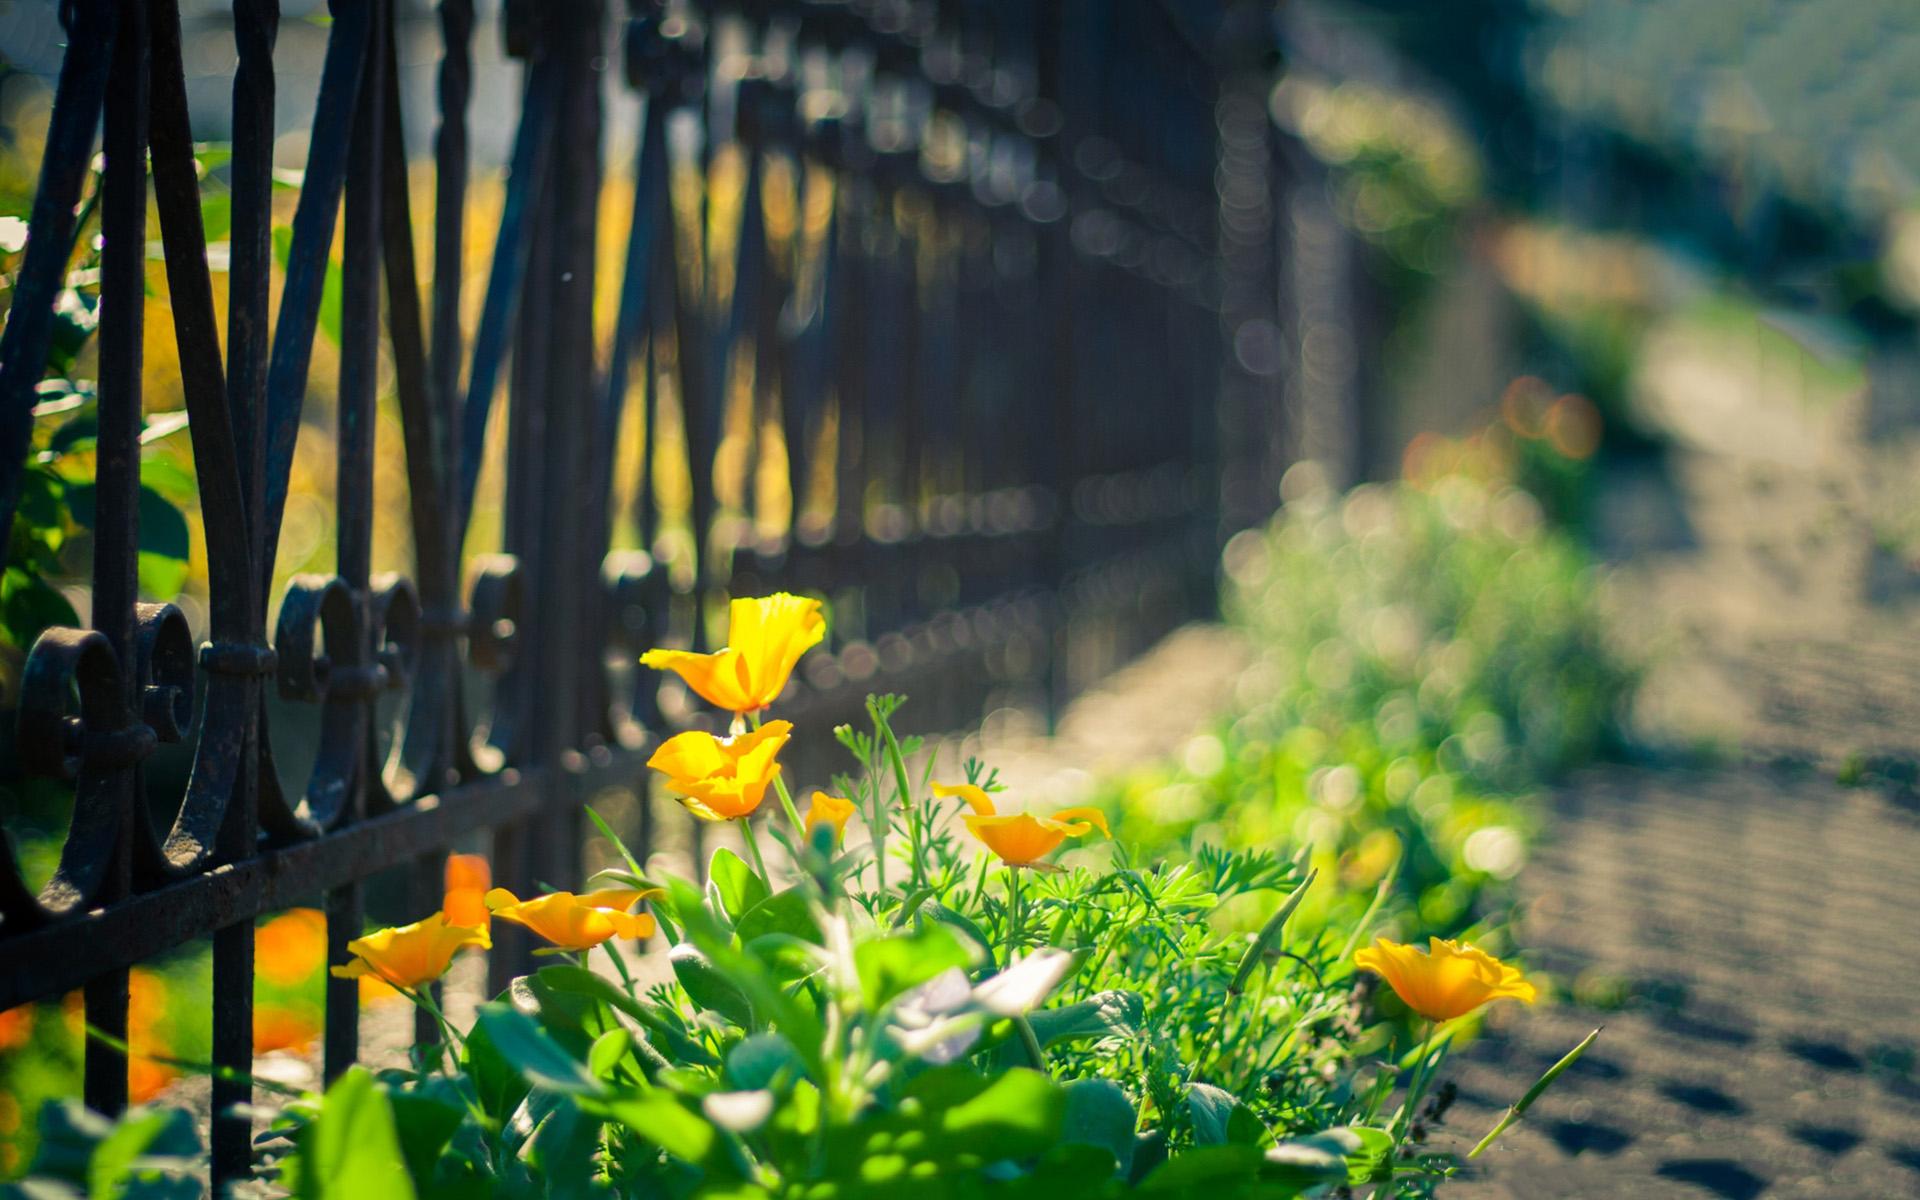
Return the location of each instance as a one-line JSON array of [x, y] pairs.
[[410, 955], [721, 779], [580, 922], [1023, 839], [828, 810], [765, 638], [468, 878], [16, 1027], [1445, 981], [284, 1027], [290, 948]]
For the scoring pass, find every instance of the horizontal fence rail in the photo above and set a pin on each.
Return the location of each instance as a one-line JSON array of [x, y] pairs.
[[950, 268]]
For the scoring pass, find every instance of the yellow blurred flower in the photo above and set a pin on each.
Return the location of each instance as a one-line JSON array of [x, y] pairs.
[[147, 1078], [410, 955], [146, 1005], [16, 1027], [288, 949], [1446, 980], [823, 809], [765, 638], [721, 779], [580, 922], [284, 1027], [1021, 839], [468, 878]]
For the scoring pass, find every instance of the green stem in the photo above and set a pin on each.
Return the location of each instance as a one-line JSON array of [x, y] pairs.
[[1533, 1093], [421, 997], [753, 849], [1031, 1041], [1416, 1085], [780, 786], [1015, 913]]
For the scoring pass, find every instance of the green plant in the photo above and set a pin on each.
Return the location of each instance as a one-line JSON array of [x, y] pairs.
[[1424, 657]]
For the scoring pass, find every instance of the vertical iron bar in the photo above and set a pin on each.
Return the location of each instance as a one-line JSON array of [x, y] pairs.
[[123, 226], [91, 37], [359, 377]]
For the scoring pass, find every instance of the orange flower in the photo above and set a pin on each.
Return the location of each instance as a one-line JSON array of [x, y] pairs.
[[16, 1027], [1023, 839], [828, 810], [147, 1078], [468, 878], [573, 922], [284, 1027], [721, 779], [1446, 980], [410, 955], [146, 1006], [290, 948], [765, 638]]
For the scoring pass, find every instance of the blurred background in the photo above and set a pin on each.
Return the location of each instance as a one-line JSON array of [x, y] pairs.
[[1645, 274]]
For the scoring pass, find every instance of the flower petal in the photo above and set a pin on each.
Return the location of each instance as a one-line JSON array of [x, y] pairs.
[[975, 796]]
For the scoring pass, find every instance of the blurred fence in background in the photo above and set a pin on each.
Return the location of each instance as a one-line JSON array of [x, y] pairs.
[[914, 305]]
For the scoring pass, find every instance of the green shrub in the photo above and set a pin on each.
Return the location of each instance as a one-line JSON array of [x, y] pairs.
[[1423, 656]]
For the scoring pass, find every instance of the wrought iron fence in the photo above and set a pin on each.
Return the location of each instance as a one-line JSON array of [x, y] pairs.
[[1006, 315]]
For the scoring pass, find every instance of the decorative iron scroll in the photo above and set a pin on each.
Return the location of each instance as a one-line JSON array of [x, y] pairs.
[[958, 257]]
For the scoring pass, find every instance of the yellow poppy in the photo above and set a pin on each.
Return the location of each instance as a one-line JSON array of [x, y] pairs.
[[284, 1027], [290, 948], [16, 1027], [468, 878], [1021, 839], [580, 922], [410, 955], [828, 810], [722, 778], [1445, 981], [765, 638]]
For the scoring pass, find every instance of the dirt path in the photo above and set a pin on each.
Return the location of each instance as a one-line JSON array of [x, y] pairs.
[[1746, 936]]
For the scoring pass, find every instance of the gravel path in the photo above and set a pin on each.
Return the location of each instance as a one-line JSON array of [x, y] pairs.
[[1746, 936]]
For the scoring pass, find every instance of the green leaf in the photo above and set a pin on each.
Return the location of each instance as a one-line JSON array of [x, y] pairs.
[[757, 1061], [1220, 1118], [892, 965], [662, 1119], [1104, 1014], [1315, 1159], [531, 1050], [1205, 1169], [498, 1086], [672, 1039], [609, 1049], [162, 577], [425, 1121], [77, 432], [330, 292], [29, 605], [1372, 1159], [352, 1150], [786, 912], [150, 1153], [1098, 1113], [163, 528], [1019, 1114], [69, 1133], [933, 910], [563, 1154], [216, 215], [735, 883], [708, 987]]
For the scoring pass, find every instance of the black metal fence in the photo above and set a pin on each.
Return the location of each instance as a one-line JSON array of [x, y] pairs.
[[1010, 320]]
